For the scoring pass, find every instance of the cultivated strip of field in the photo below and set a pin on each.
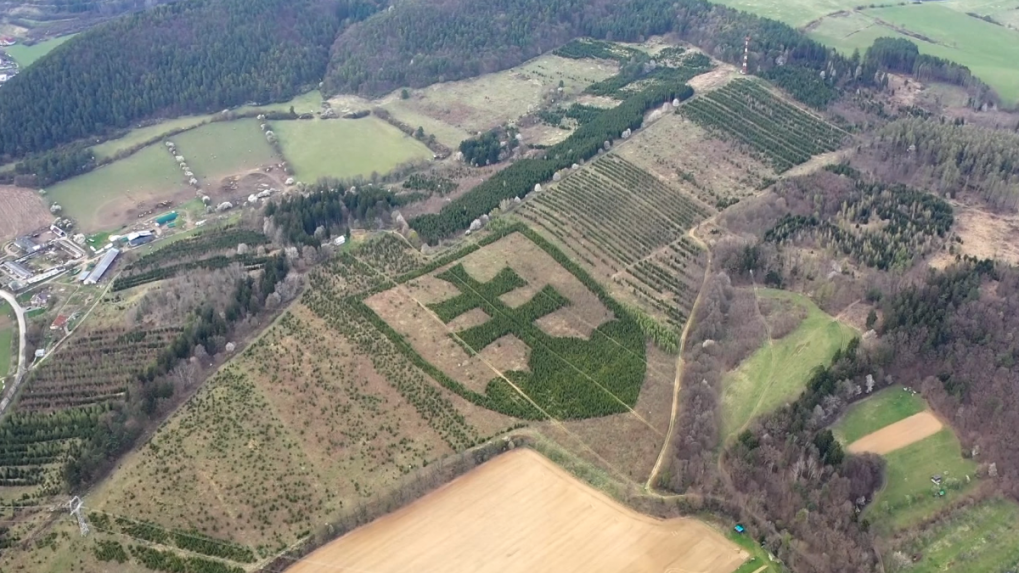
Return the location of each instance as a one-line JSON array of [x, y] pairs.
[[746, 111], [627, 225], [898, 435], [520, 512]]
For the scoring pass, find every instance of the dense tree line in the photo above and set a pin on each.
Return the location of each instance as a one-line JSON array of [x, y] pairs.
[[41, 169], [954, 158], [488, 148], [187, 57]]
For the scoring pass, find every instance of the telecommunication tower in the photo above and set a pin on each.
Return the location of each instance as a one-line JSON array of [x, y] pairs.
[[746, 55]]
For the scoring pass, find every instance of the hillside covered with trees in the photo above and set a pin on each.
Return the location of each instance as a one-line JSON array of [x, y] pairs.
[[186, 57]]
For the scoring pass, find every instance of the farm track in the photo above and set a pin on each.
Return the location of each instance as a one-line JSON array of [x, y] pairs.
[[22, 329], [650, 484]]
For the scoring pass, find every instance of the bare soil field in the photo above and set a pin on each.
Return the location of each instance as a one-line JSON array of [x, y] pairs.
[[898, 435], [521, 512], [23, 211], [716, 78]]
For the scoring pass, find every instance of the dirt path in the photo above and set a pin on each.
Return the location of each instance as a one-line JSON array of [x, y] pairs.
[[650, 484]]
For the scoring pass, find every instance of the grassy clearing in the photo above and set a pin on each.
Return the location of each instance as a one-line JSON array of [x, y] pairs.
[[97, 197], [909, 495], [346, 148], [27, 55], [223, 148], [796, 13], [308, 102], [6, 347], [882, 409], [759, 561], [777, 373], [984, 537]]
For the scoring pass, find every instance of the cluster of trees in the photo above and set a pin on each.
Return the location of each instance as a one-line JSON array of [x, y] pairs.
[[954, 158], [190, 57], [488, 148], [41, 169], [520, 178], [436, 184], [327, 211]]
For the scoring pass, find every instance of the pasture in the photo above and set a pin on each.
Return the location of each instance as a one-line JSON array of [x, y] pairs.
[[975, 539], [777, 372], [27, 55], [344, 148], [111, 195], [883, 408], [223, 148], [909, 496], [521, 512]]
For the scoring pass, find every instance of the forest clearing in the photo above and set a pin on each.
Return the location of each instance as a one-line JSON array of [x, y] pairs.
[[882, 408], [521, 512], [778, 372]]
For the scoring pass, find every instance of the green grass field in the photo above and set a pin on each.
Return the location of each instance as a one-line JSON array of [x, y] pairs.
[[989, 50], [223, 148], [308, 102], [27, 55], [777, 373], [346, 148], [871, 414], [978, 539], [907, 496], [6, 345], [98, 198]]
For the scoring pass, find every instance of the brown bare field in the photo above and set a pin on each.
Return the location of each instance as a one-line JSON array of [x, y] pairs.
[[301, 416], [683, 155], [984, 235], [404, 308], [521, 512], [898, 435], [23, 211], [714, 79]]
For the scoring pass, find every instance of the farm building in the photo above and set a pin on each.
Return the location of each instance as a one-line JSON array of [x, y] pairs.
[[164, 219], [18, 270], [26, 244], [60, 322], [101, 268], [82, 275], [139, 238]]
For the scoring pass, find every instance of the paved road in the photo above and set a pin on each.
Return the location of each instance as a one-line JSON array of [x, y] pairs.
[[22, 328]]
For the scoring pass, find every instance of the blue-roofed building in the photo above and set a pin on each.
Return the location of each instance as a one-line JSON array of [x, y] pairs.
[[102, 266]]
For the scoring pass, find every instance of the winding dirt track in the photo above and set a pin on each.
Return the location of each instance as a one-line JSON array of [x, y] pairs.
[[522, 513], [898, 435]]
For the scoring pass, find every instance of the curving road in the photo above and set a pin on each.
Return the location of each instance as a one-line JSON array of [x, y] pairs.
[[22, 328]]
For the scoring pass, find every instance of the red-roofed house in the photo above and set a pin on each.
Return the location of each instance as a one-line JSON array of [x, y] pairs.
[[60, 322]]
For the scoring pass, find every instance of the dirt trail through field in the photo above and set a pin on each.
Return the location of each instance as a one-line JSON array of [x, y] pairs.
[[522, 513], [898, 435]]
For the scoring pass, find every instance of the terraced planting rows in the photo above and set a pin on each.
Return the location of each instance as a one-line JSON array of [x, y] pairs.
[[93, 367], [747, 112], [615, 215], [614, 208], [33, 445], [669, 281]]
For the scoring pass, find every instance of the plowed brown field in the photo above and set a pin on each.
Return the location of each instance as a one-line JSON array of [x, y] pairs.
[[522, 513], [898, 435]]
